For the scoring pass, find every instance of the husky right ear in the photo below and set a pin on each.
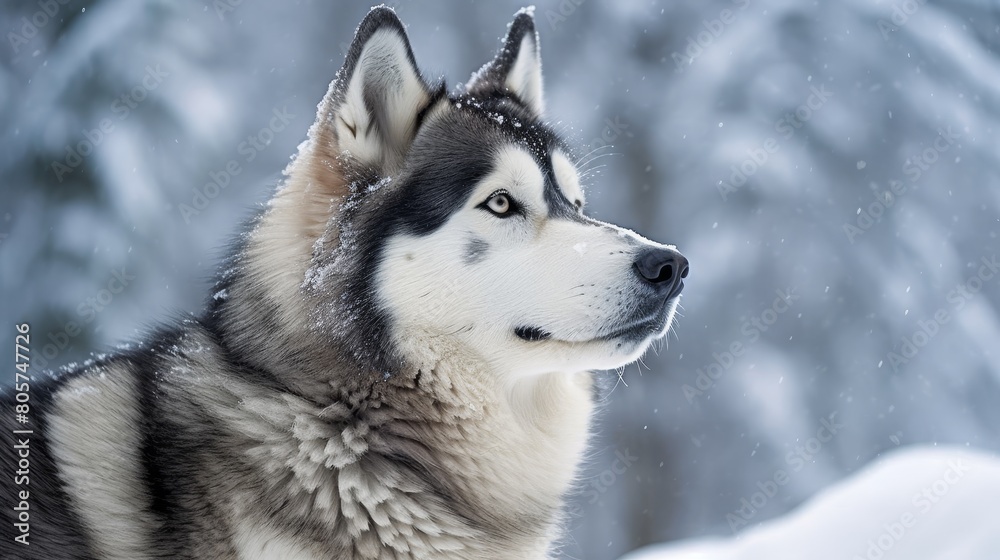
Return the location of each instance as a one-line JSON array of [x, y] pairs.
[[517, 67], [378, 95]]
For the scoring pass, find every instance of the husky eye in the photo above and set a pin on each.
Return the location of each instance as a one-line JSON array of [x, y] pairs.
[[500, 204]]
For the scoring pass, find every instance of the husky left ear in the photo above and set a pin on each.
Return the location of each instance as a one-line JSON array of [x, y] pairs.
[[517, 68], [381, 93], [371, 112]]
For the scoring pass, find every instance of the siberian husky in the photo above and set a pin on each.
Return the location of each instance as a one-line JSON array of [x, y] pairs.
[[396, 360]]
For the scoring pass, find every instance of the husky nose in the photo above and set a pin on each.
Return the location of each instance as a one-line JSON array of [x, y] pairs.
[[663, 269]]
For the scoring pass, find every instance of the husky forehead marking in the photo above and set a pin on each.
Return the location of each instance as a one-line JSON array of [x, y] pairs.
[[475, 250], [401, 365]]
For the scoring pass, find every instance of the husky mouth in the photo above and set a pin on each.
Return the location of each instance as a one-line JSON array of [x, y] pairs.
[[635, 330], [532, 334], [653, 326], [643, 325]]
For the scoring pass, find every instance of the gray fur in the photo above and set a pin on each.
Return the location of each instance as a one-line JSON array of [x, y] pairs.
[[475, 251]]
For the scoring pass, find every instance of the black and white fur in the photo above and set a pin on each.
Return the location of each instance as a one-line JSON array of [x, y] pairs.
[[396, 364]]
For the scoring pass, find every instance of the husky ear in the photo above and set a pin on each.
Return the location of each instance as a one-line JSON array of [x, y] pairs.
[[517, 68], [378, 94]]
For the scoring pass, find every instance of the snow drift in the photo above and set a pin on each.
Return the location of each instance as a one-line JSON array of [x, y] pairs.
[[918, 503]]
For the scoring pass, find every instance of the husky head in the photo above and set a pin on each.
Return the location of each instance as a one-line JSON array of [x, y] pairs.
[[459, 219]]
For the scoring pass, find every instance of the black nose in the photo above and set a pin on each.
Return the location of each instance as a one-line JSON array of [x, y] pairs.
[[664, 269]]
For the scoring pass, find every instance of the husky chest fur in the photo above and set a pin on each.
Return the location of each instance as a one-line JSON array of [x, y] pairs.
[[399, 367]]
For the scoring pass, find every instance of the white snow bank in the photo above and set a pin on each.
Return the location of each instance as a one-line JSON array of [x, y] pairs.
[[921, 503]]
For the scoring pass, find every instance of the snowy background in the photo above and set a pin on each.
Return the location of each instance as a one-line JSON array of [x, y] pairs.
[[831, 169], [913, 504]]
